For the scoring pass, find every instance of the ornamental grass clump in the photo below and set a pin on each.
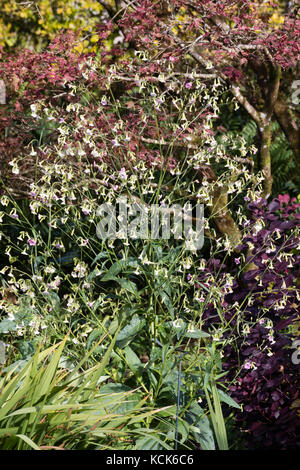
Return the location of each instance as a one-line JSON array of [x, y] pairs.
[[45, 406]]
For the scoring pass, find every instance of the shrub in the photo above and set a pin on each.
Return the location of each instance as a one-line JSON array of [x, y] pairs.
[[261, 305]]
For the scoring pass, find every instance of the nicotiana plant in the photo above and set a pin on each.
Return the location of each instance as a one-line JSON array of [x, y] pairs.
[[198, 326], [63, 279]]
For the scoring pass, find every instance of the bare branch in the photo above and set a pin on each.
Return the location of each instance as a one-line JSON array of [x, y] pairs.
[[273, 90], [256, 115]]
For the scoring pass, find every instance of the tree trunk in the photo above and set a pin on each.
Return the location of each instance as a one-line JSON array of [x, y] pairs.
[[265, 157], [220, 212], [223, 219]]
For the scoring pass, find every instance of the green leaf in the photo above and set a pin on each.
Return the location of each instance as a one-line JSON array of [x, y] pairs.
[[6, 431], [101, 255], [115, 269], [227, 399], [55, 300], [37, 262], [27, 349], [216, 416], [100, 369], [7, 325], [200, 426], [203, 286], [128, 333], [151, 443], [112, 388], [46, 382], [165, 298], [95, 334], [127, 285], [183, 430], [152, 378], [196, 334], [28, 441], [133, 361]]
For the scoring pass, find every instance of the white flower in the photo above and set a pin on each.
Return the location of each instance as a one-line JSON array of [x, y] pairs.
[[79, 270], [191, 328], [33, 111], [177, 323], [122, 174], [4, 200], [50, 269]]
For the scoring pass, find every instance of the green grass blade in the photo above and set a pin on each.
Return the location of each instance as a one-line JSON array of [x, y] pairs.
[[28, 441]]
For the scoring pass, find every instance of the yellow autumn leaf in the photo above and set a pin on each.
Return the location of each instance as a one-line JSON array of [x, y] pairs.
[[276, 19], [95, 38], [79, 48]]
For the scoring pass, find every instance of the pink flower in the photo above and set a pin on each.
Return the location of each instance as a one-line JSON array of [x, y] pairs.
[[247, 365], [237, 260], [188, 85], [31, 242], [284, 198]]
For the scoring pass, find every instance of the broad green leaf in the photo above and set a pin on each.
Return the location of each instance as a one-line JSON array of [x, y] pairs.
[[127, 334], [196, 334], [183, 430], [133, 361], [115, 269], [127, 285], [7, 325], [151, 443], [101, 255], [200, 426]]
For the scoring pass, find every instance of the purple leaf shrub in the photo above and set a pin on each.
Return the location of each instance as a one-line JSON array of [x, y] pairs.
[[260, 372]]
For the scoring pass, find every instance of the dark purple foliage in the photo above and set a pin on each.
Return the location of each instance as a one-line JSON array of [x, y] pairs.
[[268, 382]]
